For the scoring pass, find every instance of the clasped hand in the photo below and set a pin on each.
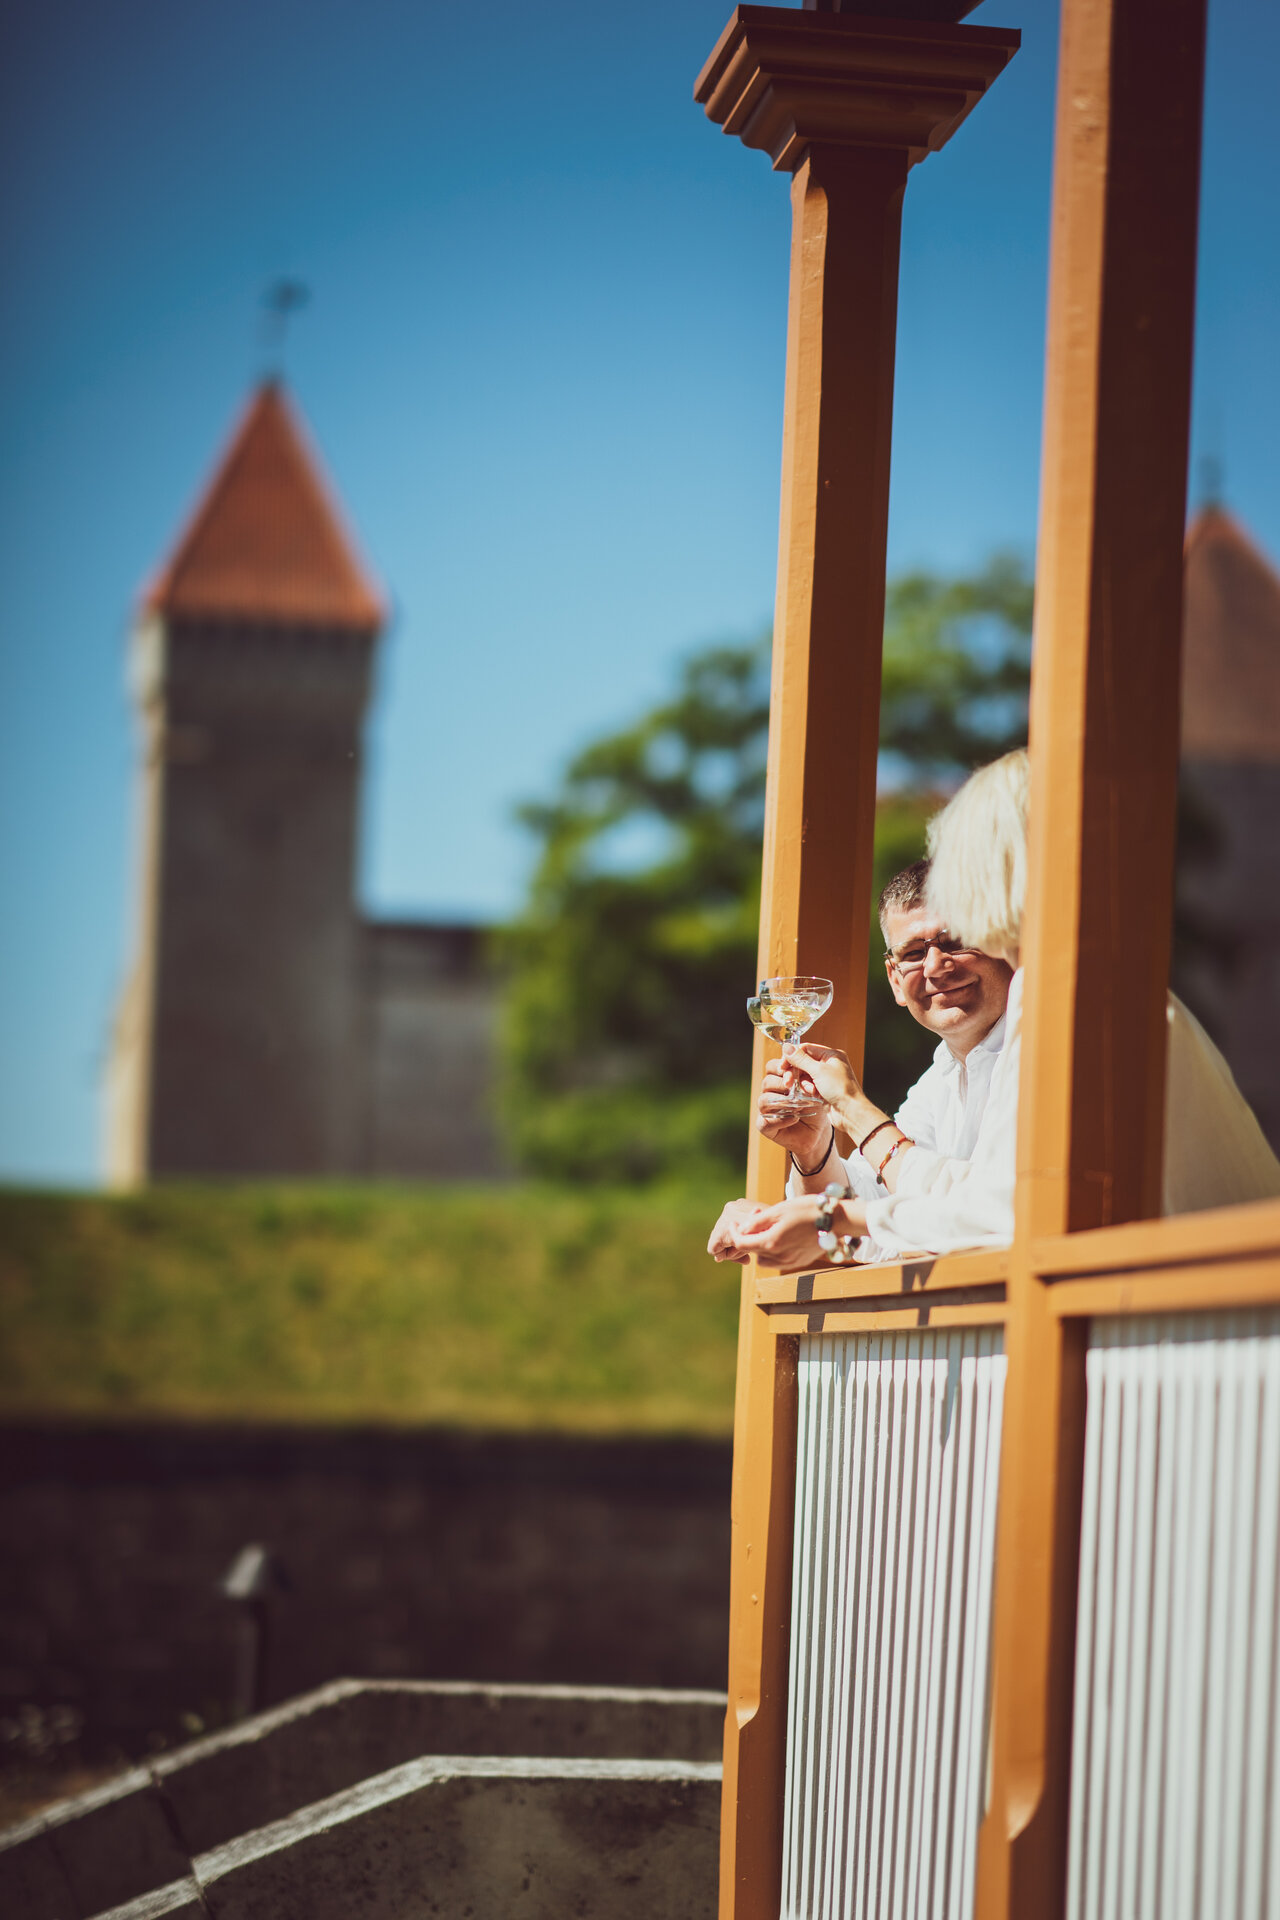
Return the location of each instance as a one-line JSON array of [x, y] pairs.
[[786, 1234], [783, 1235]]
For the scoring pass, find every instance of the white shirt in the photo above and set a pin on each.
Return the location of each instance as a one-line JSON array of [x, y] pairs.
[[1215, 1153], [942, 1114]]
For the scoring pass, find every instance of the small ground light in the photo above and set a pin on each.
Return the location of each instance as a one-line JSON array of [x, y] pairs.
[[252, 1580]]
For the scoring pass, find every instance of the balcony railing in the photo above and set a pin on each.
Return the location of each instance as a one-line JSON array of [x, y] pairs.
[[1006, 1567]]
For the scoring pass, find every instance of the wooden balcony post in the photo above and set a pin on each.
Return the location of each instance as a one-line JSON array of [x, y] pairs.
[[847, 103], [1104, 746]]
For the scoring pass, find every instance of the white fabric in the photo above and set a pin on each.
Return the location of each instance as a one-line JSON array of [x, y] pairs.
[[1215, 1153], [942, 1113]]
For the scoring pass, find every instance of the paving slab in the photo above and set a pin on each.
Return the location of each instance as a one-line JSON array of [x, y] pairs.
[[181, 1901], [139, 1831], [323, 1742], [32, 1883], [116, 1841], [488, 1838]]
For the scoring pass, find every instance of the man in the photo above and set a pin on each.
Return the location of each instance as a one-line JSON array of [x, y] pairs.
[[955, 992], [1215, 1153]]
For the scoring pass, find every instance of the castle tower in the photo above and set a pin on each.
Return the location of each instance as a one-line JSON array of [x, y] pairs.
[[1229, 872], [239, 1046]]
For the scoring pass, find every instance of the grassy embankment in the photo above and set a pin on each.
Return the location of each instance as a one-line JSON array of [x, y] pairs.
[[517, 1307]]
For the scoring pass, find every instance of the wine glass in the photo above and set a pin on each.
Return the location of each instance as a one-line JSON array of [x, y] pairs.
[[785, 1008]]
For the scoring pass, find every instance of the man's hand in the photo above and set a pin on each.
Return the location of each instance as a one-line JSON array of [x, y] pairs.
[[805, 1132], [721, 1245], [786, 1235]]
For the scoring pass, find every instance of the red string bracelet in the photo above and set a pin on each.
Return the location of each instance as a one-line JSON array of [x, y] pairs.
[[897, 1147]]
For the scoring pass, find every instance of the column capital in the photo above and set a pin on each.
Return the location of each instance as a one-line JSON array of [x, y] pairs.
[[782, 79]]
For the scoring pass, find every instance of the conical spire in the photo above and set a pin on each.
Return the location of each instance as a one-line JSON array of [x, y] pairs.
[[266, 543]]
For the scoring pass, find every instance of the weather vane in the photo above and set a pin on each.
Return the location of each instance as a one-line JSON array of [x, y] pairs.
[[1211, 480], [282, 299]]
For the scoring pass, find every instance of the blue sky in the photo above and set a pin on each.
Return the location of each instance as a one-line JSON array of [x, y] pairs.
[[543, 362]]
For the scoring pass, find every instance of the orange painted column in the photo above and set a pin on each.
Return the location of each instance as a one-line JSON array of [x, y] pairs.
[[1104, 747], [847, 104], [820, 816]]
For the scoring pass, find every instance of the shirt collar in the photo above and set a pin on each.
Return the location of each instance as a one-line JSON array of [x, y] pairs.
[[990, 1043]]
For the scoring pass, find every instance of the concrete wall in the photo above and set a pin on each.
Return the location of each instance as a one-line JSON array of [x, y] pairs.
[[430, 1556]]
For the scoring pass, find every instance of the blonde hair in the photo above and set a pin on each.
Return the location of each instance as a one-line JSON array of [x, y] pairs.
[[978, 851]]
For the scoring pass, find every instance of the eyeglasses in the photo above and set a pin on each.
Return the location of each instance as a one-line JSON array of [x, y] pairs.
[[916, 952]]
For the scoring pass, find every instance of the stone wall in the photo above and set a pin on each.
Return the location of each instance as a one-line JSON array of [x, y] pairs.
[[1229, 890], [265, 1028], [241, 1048], [431, 1012], [408, 1555]]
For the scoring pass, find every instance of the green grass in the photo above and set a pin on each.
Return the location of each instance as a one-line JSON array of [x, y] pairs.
[[514, 1307]]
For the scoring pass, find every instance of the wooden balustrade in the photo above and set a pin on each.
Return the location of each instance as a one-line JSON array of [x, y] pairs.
[[847, 103]]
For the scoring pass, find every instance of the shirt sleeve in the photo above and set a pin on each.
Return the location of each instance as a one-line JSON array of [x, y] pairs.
[[923, 1168], [917, 1117], [943, 1205], [855, 1173], [918, 1114]]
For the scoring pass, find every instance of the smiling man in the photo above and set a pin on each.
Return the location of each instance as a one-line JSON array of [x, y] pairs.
[[955, 992]]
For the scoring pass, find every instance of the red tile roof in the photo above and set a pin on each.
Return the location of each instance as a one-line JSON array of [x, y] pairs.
[[1231, 644], [267, 542]]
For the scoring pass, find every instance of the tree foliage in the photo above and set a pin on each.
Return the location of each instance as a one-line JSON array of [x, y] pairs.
[[626, 1044], [957, 665], [957, 670], [626, 1040]]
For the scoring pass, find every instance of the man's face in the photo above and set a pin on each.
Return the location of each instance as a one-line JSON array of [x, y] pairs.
[[958, 996]]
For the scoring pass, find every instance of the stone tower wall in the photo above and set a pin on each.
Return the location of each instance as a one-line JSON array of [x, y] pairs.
[[1230, 892], [266, 1029], [256, 1051]]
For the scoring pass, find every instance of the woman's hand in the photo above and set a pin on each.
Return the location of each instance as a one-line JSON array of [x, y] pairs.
[[722, 1245], [805, 1131], [829, 1072], [786, 1235]]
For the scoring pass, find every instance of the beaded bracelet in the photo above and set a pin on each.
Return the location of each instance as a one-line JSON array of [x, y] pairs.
[[838, 1247]]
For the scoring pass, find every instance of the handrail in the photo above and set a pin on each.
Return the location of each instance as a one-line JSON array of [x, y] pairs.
[[902, 1282], [1222, 1233], [1217, 1235]]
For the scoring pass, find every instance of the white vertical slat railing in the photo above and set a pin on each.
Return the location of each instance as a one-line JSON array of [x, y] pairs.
[[897, 1464], [1175, 1790]]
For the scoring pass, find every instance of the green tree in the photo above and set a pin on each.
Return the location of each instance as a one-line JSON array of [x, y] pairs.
[[957, 669], [626, 1043]]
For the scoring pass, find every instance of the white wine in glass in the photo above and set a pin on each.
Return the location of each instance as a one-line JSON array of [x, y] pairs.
[[762, 1015], [791, 1003]]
